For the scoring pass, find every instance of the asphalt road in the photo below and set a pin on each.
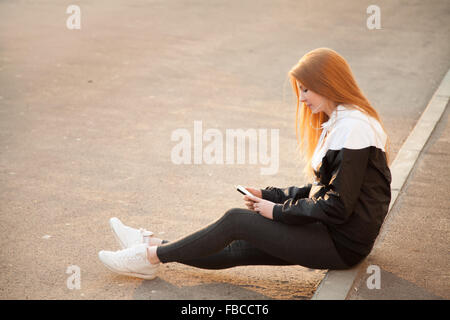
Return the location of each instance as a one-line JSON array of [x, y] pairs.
[[86, 118]]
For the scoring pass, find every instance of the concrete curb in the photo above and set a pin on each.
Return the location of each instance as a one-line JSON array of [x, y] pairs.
[[337, 283]]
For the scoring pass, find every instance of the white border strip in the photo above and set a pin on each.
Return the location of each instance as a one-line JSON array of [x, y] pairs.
[[337, 283]]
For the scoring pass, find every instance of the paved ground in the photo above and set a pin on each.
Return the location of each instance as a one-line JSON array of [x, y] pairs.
[[86, 118], [413, 249]]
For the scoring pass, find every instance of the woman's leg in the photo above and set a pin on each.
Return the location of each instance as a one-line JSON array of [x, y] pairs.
[[264, 242], [237, 253]]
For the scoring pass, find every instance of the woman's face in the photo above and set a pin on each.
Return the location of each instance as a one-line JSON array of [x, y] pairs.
[[315, 101]]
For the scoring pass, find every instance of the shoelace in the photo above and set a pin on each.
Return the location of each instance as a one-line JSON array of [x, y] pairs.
[[131, 256], [145, 234]]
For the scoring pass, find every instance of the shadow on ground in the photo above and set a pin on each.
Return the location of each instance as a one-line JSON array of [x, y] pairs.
[[160, 289], [393, 288]]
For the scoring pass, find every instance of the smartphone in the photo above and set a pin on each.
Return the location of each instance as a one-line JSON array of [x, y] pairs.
[[244, 191]]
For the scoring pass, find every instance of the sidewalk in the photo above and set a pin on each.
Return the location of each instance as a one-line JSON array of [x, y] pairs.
[[413, 248]]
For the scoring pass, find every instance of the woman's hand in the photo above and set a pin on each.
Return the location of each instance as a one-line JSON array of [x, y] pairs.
[[261, 206], [255, 192], [249, 203]]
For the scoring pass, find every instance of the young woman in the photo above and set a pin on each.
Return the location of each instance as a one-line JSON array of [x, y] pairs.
[[330, 223]]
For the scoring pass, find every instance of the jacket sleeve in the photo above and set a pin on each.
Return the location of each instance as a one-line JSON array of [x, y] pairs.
[[280, 195], [336, 202]]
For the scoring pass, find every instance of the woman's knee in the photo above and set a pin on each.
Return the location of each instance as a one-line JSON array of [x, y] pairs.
[[239, 220], [234, 213], [235, 217]]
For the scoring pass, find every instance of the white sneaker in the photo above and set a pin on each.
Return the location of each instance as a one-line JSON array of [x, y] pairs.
[[126, 236], [130, 262]]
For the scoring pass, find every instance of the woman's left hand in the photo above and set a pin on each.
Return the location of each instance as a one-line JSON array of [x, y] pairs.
[[263, 207]]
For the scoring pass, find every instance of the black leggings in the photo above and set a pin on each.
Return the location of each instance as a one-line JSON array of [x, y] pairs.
[[242, 237]]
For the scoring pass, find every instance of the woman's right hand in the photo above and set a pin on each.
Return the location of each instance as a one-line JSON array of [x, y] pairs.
[[256, 192]]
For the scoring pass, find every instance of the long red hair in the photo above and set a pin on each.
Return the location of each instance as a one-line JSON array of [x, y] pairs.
[[327, 73]]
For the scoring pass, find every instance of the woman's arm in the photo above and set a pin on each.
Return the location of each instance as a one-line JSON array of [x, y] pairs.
[[280, 195]]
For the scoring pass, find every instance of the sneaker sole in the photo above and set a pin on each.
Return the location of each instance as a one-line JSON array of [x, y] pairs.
[[131, 274]]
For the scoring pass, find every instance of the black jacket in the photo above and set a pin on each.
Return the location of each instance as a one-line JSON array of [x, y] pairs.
[[351, 194]]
